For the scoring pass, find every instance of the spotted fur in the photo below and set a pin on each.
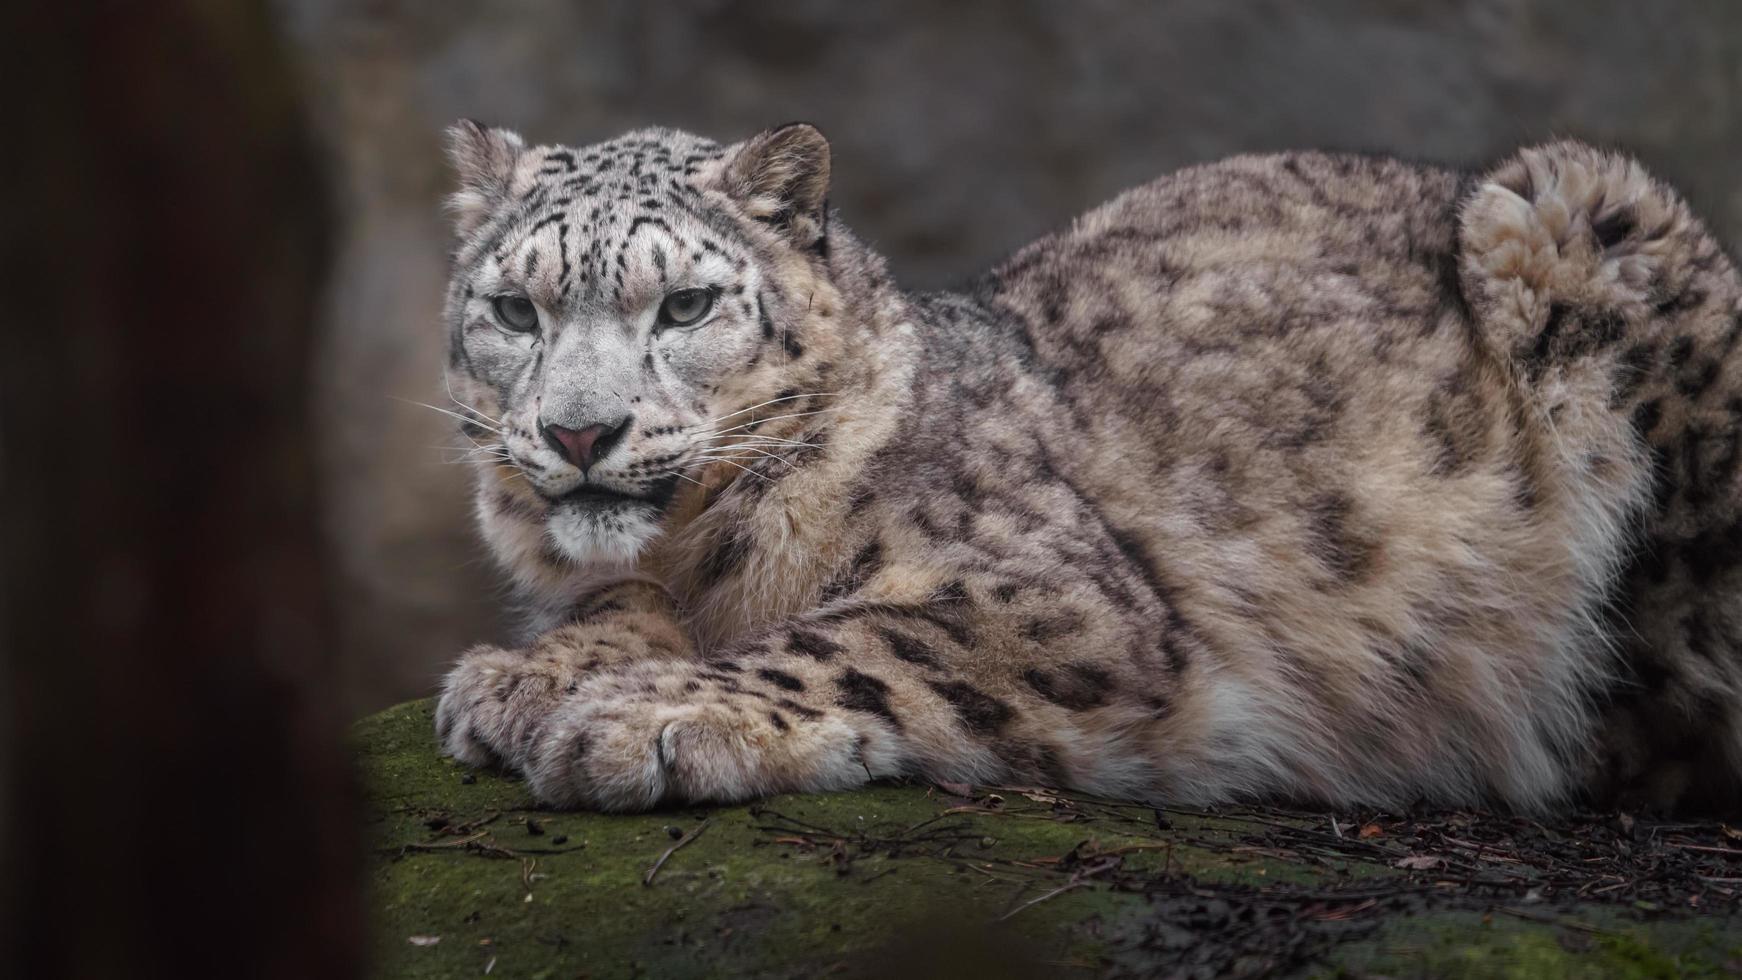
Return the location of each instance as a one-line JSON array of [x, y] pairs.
[[1327, 478]]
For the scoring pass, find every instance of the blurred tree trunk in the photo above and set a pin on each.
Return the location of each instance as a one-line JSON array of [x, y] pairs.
[[177, 797]]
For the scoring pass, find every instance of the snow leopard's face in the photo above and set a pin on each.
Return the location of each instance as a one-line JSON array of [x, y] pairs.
[[618, 315]]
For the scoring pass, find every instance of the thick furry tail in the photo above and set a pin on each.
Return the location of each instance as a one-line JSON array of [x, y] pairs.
[[1616, 309], [1564, 245]]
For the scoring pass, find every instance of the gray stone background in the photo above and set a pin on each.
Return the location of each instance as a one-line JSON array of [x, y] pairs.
[[960, 130]]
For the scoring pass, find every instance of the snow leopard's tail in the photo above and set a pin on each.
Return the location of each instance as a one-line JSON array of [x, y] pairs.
[[1601, 288]]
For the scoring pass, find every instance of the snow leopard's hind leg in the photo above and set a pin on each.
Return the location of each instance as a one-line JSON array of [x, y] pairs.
[[1619, 315]]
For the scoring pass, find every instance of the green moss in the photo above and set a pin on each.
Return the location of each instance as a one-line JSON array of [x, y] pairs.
[[1600, 944], [739, 898], [887, 880]]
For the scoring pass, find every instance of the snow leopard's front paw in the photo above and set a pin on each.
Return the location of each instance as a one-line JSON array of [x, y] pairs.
[[494, 703], [619, 751]]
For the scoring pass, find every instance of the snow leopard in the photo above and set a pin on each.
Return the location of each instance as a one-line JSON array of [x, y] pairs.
[[1312, 477]]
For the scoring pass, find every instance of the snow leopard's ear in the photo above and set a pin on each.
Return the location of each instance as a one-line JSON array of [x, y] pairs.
[[781, 177], [483, 160]]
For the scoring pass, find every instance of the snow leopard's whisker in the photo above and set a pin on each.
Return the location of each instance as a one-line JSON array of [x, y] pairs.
[[453, 415], [719, 458], [727, 447], [449, 388], [704, 460], [475, 447], [772, 418], [477, 450], [762, 452], [782, 460], [784, 415], [472, 443], [781, 449], [729, 462], [771, 401], [761, 421], [497, 446], [473, 415], [746, 469], [474, 451], [759, 440], [731, 447]]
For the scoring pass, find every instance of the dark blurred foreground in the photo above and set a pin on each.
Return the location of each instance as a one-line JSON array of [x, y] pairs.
[[176, 798]]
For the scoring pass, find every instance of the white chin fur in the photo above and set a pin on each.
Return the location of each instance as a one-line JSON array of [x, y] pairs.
[[613, 536]]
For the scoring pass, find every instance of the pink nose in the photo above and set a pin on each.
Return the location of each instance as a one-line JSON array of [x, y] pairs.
[[583, 447]]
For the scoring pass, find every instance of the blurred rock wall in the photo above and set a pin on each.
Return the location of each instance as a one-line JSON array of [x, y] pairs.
[[960, 130]]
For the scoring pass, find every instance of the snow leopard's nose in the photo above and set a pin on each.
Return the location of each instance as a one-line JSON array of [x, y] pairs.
[[585, 446]]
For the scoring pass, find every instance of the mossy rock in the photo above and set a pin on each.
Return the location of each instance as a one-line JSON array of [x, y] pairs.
[[469, 877]]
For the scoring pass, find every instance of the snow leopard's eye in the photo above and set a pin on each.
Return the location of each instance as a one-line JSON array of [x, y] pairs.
[[686, 307], [515, 313]]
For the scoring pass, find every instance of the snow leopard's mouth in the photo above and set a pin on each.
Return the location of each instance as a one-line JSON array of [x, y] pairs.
[[594, 497], [599, 498]]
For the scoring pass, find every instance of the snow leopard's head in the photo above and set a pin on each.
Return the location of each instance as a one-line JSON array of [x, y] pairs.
[[624, 316]]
